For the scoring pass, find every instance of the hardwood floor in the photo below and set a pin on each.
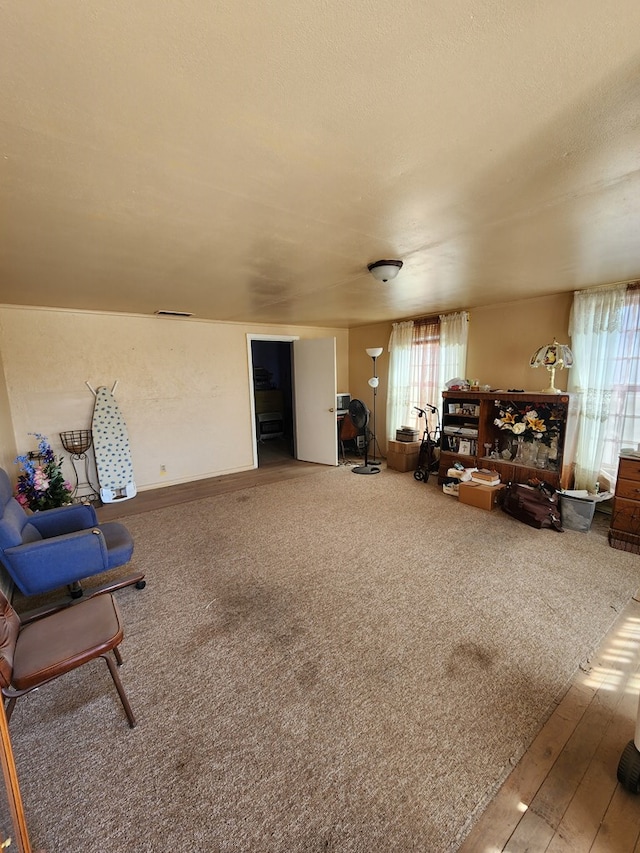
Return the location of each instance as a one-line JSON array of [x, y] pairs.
[[272, 469], [563, 796]]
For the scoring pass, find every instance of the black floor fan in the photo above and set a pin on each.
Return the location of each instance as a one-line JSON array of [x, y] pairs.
[[359, 414]]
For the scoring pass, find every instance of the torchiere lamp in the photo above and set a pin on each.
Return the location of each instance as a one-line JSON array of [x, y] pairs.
[[374, 352], [554, 357]]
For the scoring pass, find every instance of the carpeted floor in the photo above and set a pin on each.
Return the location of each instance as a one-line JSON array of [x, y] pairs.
[[333, 663]]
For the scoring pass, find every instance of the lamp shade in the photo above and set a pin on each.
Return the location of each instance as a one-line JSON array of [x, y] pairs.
[[552, 355], [374, 352], [385, 270]]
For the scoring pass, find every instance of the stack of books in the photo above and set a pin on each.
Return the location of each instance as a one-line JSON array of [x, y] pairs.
[[486, 477]]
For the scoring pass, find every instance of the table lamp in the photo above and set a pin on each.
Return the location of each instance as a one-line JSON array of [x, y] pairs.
[[554, 357]]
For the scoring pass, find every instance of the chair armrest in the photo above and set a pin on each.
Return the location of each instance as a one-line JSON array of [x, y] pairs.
[[64, 519], [47, 564]]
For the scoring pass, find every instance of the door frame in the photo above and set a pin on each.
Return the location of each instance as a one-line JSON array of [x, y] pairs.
[[276, 339]]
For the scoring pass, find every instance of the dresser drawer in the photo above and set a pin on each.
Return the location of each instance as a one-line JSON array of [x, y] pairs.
[[625, 515], [628, 469], [629, 489]]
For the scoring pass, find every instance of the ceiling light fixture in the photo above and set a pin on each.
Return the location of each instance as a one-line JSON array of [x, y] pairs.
[[385, 270]]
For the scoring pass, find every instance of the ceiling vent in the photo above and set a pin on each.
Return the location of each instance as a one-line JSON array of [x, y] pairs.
[[163, 313]]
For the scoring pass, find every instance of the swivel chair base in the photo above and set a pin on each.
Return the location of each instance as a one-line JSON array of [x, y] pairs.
[[77, 594]]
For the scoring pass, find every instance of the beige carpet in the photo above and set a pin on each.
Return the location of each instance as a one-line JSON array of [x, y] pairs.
[[333, 663]]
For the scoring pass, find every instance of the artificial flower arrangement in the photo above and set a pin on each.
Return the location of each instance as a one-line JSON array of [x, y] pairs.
[[531, 424], [41, 483]]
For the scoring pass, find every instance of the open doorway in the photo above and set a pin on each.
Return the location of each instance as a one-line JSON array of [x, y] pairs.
[[273, 395]]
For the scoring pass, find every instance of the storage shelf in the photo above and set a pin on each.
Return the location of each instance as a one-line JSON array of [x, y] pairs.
[[565, 411]]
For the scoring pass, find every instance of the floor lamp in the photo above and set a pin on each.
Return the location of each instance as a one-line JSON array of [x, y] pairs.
[[374, 352]]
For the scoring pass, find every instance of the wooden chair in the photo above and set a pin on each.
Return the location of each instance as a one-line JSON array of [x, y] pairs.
[[32, 653], [348, 432]]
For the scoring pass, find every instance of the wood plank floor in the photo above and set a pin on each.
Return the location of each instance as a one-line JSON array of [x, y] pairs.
[[563, 795], [273, 469]]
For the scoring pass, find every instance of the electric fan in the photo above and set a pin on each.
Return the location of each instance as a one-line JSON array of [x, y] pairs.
[[359, 414]]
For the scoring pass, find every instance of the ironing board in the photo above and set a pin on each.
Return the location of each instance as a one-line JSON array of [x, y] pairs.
[[111, 447]]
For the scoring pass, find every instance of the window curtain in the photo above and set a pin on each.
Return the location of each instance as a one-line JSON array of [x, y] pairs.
[[399, 389], [454, 332], [596, 333], [425, 372], [423, 355]]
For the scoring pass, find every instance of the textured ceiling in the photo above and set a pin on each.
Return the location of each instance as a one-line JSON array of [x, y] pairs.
[[244, 161]]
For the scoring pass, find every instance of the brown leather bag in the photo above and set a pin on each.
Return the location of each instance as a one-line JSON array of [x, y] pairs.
[[536, 505]]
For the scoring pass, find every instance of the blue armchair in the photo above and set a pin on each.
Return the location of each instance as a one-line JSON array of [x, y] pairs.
[[58, 547]]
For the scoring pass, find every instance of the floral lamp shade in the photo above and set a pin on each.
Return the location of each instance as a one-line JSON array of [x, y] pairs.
[[554, 357]]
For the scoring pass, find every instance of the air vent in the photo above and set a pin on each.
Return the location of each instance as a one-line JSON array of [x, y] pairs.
[[173, 313]]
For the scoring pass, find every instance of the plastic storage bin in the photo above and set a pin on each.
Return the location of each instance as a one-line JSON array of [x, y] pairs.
[[577, 513]]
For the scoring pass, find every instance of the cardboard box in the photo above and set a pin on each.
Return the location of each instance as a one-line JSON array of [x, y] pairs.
[[477, 494], [402, 461], [409, 447]]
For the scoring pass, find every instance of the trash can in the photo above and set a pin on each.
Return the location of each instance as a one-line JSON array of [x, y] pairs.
[[577, 513]]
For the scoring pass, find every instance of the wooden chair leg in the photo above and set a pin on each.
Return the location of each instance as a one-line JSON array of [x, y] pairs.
[[120, 689]]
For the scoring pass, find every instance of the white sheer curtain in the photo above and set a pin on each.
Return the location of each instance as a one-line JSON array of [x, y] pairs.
[[623, 426], [399, 388], [424, 354], [596, 333], [454, 332]]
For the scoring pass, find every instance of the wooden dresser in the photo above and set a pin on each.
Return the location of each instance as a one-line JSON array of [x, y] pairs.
[[624, 532]]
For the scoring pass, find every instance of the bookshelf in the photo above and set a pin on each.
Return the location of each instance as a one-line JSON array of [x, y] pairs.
[[471, 436]]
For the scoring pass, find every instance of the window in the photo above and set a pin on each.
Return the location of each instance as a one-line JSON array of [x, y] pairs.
[[605, 327], [423, 355], [623, 425]]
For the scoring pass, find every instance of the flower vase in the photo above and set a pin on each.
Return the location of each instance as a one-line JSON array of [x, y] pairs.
[[543, 455], [529, 453], [517, 457]]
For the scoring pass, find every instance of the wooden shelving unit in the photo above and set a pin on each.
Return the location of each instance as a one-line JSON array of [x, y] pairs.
[[470, 435]]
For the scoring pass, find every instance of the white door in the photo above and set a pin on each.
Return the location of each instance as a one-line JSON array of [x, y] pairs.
[[314, 389]]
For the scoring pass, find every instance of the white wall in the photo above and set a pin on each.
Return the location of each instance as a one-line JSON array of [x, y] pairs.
[[183, 385]]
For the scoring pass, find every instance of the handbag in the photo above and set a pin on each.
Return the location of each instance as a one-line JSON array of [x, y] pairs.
[[536, 505]]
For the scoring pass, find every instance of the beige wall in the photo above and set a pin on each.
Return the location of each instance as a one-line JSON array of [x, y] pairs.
[[183, 385], [361, 370], [502, 339], [7, 440]]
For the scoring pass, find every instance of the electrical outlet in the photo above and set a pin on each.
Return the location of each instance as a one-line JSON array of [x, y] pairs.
[[163, 470]]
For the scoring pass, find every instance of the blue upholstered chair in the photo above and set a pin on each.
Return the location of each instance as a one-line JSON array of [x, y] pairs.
[[58, 547]]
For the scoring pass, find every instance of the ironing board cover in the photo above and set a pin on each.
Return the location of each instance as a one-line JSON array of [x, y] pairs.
[[111, 443]]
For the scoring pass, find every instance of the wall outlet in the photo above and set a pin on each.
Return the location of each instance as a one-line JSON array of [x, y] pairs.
[[163, 470]]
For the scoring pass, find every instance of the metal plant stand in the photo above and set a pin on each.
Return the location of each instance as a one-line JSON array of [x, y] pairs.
[[77, 442]]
